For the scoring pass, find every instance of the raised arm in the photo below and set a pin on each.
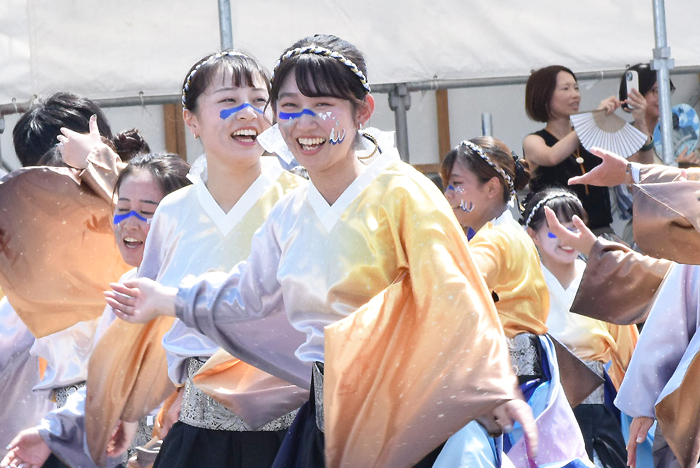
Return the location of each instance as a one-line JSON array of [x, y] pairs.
[[99, 166], [537, 153]]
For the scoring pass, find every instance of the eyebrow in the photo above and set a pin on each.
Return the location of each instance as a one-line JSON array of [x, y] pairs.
[[142, 201], [233, 88]]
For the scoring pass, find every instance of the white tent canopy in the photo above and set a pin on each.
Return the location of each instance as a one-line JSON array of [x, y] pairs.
[[110, 49]]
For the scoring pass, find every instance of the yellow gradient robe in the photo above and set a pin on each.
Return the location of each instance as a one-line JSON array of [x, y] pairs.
[[384, 288]]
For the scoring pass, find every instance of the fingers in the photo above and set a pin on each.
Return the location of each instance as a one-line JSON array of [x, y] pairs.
[[94, 129], [631, 451], [521, 412], [128, 288], [602, 153]]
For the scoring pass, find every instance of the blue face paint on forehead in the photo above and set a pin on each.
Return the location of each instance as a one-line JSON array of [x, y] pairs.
[[226, 113], [296, 115], [119, 218]]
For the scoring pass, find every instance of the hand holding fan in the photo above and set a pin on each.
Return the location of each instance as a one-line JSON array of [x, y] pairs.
[[609, 132]]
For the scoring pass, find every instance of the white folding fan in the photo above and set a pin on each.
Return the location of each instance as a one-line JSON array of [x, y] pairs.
[[609, 132]]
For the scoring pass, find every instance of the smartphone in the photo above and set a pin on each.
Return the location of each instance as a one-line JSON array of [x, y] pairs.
[[631, 82]]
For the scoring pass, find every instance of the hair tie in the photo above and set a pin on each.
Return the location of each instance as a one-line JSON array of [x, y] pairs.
[[325, 53], [545, 200], [478, 150]]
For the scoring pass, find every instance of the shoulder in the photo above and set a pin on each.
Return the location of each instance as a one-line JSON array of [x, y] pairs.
[[177, 197]]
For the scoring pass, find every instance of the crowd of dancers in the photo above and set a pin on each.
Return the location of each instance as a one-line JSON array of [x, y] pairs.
[[300, 297]]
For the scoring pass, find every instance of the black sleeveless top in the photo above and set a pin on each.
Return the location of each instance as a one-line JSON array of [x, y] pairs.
[[596, 202]]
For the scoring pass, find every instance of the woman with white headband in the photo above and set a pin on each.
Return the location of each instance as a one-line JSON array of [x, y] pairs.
[[369, 263], [481, 177], [595, 342]]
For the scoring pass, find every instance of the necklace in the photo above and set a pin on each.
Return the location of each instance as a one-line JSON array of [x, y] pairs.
[[579, 161]]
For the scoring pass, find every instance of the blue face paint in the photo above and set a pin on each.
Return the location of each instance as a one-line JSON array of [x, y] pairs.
[[226, 113], [551, 235], [119, 218], [296, 115], [336, 140], [452, 188]]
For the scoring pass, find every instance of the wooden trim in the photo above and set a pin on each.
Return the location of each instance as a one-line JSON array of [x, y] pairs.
[[427, 168], [174, 127], [443, 122]]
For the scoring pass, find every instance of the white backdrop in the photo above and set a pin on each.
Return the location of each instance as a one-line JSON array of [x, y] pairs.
[[120, 48]]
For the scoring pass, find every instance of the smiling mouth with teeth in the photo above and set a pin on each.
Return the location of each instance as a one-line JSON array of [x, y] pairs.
[[132, 243], [308, 144], [246, 135]]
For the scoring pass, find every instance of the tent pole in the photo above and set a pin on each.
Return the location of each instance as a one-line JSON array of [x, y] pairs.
[[225, 28], [662, 63], [400, 102]]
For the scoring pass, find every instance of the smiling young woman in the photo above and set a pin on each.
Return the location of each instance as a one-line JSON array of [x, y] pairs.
[[368, 262]]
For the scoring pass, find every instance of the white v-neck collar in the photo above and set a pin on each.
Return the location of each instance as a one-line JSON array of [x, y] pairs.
[[505, 216], [225, 222], [330, 214]]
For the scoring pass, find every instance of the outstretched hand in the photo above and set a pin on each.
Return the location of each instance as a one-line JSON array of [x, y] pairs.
[[141, 300], [638, 432], [611, 172], [76, 147], [28, 449], [505, 415], [583, 240]]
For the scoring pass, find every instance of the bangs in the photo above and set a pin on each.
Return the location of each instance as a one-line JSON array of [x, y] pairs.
[[318, 76], [565, 209], [241, 72]]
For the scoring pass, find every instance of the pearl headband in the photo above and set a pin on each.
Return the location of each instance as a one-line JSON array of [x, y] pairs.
[[212, 58], [546, 200], [478, 150], [326, 53]]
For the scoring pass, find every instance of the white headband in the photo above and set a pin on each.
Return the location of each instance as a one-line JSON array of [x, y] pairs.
[[478, 150], [326, 53], [547, 199], [210, 59]]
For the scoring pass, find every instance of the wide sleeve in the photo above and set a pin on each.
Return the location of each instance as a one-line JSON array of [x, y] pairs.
[[243, 311], [667, 220], [103, 168], [63, 430], [425, 356], [667, 333], [656, 173], [618, 284]]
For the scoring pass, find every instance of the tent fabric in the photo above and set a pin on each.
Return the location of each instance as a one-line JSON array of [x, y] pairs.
[[114, 49]]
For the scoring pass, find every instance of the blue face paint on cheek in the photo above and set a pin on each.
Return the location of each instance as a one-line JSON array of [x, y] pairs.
[[296, 115], [336, 139], [226, 113], [119, 218], [553, 236]]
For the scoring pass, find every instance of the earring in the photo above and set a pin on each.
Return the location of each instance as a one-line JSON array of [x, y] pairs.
[[376, 146]]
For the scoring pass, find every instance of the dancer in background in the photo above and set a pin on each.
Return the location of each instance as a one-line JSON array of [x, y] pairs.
[[482, 177], [595, 342], [369, 264], [58, 439]]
